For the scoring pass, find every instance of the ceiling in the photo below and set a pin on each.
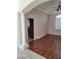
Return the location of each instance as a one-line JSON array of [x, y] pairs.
[[49, 7]]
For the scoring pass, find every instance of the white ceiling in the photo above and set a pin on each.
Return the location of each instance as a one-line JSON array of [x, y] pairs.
[[49, 7]]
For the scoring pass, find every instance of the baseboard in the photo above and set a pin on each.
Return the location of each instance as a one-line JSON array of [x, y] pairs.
[[23, 46], [40, 37], [45, 35], [55, 34]]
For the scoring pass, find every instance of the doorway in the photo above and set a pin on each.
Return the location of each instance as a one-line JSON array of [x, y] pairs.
[[30, 29]]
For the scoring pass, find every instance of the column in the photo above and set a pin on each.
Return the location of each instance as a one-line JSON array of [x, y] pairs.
[[24, 33]]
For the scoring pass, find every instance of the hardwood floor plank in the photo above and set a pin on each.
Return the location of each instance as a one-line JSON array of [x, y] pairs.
[[48, 46]]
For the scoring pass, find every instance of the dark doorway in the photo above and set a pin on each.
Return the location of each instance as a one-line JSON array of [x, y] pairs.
[[30, 29]]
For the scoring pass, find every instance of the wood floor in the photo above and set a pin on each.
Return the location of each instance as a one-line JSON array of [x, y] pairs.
[[48, 46]]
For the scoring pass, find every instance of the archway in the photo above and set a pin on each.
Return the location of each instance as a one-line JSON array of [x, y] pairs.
[[24, 26]]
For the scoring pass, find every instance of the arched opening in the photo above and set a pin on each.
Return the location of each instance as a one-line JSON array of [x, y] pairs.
[[44, 17], [40, 12], [24, 24]]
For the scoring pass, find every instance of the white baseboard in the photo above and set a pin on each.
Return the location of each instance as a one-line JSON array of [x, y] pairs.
[[23, 46], [39, 37], [55, 34]]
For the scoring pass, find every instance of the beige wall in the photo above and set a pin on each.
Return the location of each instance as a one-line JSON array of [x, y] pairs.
[[40, 23], [52, 29]]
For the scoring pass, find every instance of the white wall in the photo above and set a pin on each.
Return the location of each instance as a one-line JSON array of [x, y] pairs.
[[19, 31], [27, 5], [52, 28], [43, 24], [23, 4], [40, 23]]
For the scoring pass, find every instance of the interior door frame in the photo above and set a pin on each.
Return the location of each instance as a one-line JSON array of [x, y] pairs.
[[33, 26]]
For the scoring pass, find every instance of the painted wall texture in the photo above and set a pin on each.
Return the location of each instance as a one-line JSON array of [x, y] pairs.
[[40, 23], [43, 24], [52, 25]]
